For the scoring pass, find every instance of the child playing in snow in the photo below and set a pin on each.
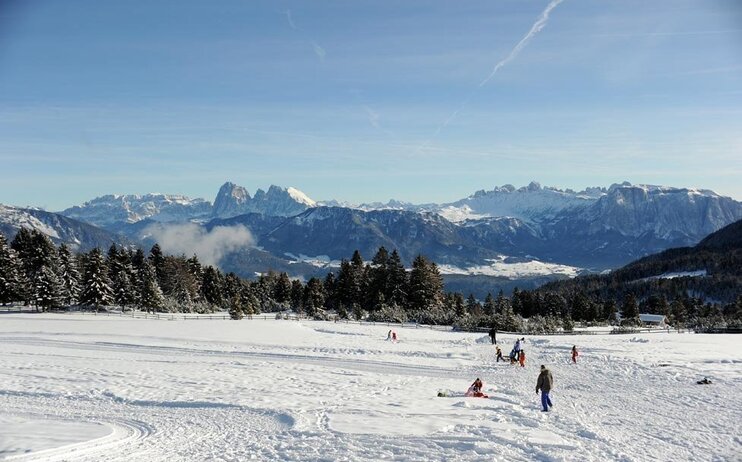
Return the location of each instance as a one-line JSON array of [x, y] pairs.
[[499, 354], [394, 337], [476, 387], [522, 358], [574, 354]]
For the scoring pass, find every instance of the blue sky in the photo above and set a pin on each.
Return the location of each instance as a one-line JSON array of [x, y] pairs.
[[350, 100]]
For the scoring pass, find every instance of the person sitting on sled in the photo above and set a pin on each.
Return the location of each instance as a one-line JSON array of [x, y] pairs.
[[476, 387]]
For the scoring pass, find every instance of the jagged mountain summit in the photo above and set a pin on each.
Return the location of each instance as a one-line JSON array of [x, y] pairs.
[[113, 210], [233, 200]]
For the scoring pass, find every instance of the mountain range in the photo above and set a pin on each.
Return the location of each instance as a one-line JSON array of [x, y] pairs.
[[507, 232]]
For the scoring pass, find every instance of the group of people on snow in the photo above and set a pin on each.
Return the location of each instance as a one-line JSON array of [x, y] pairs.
[[392, 336], [545, 381]]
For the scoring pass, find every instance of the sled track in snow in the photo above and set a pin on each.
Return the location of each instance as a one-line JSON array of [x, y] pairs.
[[124, 433], [367, 365]]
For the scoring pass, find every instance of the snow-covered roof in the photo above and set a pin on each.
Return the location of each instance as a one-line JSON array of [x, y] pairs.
[[652, 318]]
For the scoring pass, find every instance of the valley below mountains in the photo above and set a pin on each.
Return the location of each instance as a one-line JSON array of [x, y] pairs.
[[504, 237]]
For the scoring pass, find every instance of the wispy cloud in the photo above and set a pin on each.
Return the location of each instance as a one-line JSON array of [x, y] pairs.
[[373, 117], [289, 19], [319, 51]]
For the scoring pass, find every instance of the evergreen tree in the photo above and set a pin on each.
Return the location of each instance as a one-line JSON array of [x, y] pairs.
[[282, 289], [235, 307], [489, 305], [609, 311], [378, 278], [150, 294], [473, 307], [426, 285], [679, 313], [502, 303], [10, 271], [297, 295], [314, 296], [212, 286], [397, 283], [47, 289], [96, 288], [250, 303], [458, 305], [35, 251], [197, 275], [123, 290], [70, 276], [158, 263], [629, 311], [331, 291]]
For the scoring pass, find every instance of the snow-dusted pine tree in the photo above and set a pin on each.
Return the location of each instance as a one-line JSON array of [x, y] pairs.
[[123, 290], [150, 294], [10, 274], [96, 288], [69, 275], [47, 289]]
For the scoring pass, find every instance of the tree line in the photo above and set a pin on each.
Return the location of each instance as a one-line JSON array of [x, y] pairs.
[[35, 272]]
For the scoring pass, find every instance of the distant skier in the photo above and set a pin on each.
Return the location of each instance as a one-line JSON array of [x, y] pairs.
[[493, 335], [574, 354], [522, 358], [499, 354], [544, 384]]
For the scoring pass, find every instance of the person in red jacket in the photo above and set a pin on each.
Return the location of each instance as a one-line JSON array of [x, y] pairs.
[[574, 354], [522, 358]]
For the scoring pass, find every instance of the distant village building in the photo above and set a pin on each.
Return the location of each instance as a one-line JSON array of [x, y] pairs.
[[653, 320]]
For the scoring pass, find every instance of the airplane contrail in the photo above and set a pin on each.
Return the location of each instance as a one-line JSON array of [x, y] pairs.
[[535, 29]]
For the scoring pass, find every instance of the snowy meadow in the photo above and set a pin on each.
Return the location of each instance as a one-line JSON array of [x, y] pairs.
[[89, 388]]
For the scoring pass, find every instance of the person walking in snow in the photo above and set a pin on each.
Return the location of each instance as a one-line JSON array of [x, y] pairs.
[[544, 384], [394, 337], [522, 358], [574, 354], [516, 347], [389, 335], [493, 335], [499, 354]]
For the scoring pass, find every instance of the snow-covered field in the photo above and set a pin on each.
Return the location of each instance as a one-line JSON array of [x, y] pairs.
[[81, 387]]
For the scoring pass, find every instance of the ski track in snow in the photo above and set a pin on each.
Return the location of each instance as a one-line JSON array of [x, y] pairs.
[[314, 391]]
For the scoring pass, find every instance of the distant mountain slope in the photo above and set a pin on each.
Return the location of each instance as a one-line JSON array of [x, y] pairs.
[[130, 208], [712, 269], [61, 229]]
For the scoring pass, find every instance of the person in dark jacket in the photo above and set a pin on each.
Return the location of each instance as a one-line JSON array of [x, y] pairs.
[[499, 357], [493, 335], [545, 383]]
